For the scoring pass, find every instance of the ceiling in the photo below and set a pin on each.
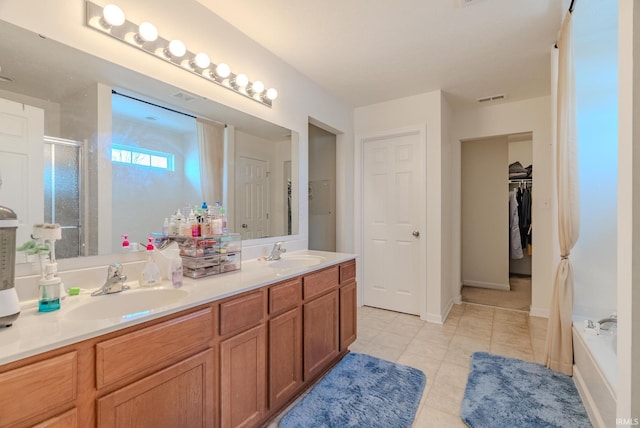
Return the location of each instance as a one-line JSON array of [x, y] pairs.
[[364, 51]]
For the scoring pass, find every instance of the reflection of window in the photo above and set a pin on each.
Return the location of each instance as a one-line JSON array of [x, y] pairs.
[[141, 157]]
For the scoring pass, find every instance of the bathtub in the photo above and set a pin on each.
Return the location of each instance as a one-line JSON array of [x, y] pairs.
[[595, 373]]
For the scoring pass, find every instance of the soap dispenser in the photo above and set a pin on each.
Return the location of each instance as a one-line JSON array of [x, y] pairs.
[[150, 274]]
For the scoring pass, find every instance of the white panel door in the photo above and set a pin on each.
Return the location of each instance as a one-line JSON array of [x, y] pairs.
[[252, 198], [21, 164], [393, 195]]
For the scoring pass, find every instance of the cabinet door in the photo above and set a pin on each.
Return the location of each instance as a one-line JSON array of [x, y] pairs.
[[348, 315], [320, 333], [68, 419], [243, 377], [285, 356], [178, 396]]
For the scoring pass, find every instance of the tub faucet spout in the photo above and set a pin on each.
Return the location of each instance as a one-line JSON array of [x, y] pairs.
[[607, 323]]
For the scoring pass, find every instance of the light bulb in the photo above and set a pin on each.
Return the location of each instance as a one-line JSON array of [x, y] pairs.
[[202, 60], [177, 48], [272, 94], [223, 70], [242, 80], [147, 32], [113, 15], [257, 87]]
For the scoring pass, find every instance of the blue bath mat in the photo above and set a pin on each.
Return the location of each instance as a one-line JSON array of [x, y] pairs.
[[505, 392], [360, 391]]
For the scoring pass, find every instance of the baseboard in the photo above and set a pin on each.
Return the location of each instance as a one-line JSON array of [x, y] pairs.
[[482, 284], [539, 312]]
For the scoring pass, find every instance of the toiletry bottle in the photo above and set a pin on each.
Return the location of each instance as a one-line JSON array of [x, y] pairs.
[[150, 274], [173, 231], [125, 243], [193, 223], [223, 217], [49, 298], [165, 227], [185, 226]]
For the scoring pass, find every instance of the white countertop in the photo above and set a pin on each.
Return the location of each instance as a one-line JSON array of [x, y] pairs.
[[36, 332]]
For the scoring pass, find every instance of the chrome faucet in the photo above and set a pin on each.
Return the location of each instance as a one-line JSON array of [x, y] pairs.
[[276, 251], [114, 283], [606, 323]]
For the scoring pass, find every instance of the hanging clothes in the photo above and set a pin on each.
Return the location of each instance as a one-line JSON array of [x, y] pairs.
[[524, 215], [515, 240]]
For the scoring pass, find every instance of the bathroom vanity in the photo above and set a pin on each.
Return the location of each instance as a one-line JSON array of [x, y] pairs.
[[241, 347]]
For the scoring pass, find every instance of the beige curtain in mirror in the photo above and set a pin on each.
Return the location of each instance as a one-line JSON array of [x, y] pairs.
[[211, 152], [559, 347]]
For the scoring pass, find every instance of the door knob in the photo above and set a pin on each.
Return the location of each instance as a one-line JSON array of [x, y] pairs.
[[244, 225], [416, 233]]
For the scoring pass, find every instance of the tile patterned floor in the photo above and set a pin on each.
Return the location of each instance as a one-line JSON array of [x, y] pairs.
[[443, 352]]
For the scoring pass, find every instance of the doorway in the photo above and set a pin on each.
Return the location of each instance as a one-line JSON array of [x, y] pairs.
[[393, 215], [322, 189], [497, 192], [252, 197]]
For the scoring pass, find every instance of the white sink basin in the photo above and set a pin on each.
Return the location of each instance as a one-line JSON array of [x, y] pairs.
[[127, 304], [290, 262]]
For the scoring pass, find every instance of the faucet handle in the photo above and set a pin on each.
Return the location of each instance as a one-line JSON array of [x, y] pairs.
[[115, 270]]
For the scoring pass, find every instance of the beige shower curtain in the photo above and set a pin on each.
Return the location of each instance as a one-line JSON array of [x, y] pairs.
[[211, 152], [559, 348]]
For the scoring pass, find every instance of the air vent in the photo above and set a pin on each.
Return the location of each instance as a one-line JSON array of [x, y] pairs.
[[498, 97], [463, 3], [187, 98]]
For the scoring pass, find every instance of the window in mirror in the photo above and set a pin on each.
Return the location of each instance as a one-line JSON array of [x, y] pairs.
[[139, 157]]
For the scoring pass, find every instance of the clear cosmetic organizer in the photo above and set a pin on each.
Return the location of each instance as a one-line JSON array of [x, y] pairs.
[[210, 255]]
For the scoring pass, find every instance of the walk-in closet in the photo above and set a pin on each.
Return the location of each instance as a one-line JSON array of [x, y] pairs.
[[497, 226]]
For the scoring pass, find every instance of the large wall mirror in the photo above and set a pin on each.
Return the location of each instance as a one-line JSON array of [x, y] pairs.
[[120, 152]]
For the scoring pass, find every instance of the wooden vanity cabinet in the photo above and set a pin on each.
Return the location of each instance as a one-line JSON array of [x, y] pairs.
[[161, 375], [38, 391], [236, 362], [243, 360], [180, 395], [320, 320], [348, 305], [285, 341]]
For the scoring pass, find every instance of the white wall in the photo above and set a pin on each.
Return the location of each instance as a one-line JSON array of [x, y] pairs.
[[431, 111], [485, 213], [594, 257], [531, 115], [201, 29], [137, 211]]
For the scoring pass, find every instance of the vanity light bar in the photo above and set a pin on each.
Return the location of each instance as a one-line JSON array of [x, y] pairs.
[[111, 20]]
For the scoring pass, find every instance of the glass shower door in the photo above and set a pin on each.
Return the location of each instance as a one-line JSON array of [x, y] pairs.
[[63, 193]]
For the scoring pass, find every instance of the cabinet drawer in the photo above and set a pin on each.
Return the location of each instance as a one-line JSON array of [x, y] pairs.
[[66, 420], [153, 347], [347, 271], [284, 296], [319, 282], [241, 313], [38, 388]]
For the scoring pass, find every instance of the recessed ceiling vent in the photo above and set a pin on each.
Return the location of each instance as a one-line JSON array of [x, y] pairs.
[[498, 97], [463, 3], [183, 96]]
